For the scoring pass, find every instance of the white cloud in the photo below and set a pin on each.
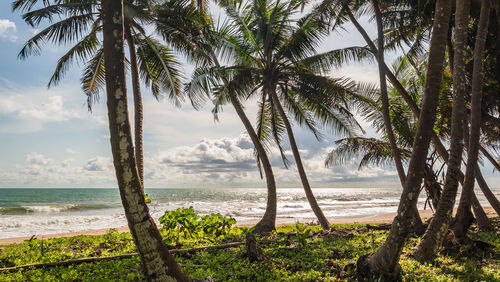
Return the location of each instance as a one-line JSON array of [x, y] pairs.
[[99, 164], [24, 110], [37, 159], [70, 151], [8, 30]]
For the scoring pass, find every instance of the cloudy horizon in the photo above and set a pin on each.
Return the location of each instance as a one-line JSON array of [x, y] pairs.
[[49, 139]]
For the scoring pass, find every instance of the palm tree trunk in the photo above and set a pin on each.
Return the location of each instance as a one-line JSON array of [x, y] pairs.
[[138, 111], [383, 70], [461, 224], [438, 227], [268, 221], [300, 167], [385, 97], [489, 156], [384, 261], [483, 222], [157, 262], [486, 191]]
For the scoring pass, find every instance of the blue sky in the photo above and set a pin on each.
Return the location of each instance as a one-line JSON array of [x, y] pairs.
[[49, 139]]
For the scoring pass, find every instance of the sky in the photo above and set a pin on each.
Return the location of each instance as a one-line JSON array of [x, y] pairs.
[[49, 139]]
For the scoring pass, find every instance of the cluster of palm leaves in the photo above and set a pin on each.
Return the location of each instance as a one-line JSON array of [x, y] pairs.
[[266, 52]]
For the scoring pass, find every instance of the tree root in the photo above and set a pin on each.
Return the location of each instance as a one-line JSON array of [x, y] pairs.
[[364, 271], [254, 252], [124, 256]]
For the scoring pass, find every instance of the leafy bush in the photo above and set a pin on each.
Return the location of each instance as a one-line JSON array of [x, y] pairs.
[[185, 222]]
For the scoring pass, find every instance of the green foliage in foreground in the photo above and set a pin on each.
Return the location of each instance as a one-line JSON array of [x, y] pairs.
[[296, 253], [185, 223]]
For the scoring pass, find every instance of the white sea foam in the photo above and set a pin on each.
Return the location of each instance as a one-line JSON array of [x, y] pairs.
[[242, 204], [51, 208]]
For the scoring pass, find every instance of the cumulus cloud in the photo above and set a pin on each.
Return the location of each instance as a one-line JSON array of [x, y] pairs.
[[24, 110], [98, 164], [222, 162], [8, 30], [37, 159], [211, 155]]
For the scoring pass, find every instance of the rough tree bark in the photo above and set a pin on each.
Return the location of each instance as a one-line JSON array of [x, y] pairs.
[[438, 227], [461, 222], [157, 262], [300, 167], [385, 260], [138, 111]]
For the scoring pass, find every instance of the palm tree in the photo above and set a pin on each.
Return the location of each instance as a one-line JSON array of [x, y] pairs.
[[208, 82], [461, 223], [384, 95], [437, 229], [158, 264], [277, 53], [385, 71], [385, 260], [148, 58], [415, 27]]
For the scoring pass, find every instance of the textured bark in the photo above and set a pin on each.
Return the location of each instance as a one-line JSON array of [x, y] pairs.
[[433, 237], [300, 167], [385, 260], [486, 191], [482, 220], [460, 225], [417, 221], [138, 111], [157, 262], [268, 221]]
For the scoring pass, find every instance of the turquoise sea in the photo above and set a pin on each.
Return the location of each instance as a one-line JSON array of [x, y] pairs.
[[26, 212]]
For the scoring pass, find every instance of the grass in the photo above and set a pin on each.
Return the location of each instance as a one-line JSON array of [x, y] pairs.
[[295, 254]]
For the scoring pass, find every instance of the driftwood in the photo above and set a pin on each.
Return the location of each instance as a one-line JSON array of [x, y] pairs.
[[124, 256]]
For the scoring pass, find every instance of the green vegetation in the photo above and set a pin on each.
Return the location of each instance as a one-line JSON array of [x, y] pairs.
[[185, 223], [296, 253]]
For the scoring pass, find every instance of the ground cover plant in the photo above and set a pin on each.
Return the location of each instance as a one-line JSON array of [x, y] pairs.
[[295, 253]]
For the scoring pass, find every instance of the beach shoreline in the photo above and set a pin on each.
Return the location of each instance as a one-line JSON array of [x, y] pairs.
[[374, 219]]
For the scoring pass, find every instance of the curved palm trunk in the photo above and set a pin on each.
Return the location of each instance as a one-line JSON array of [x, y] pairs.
[[385, 260], [268, 221], [385, 97], [438, 227], [300, 167], [490, 157], [157, 262], [383, 71], [461, 223], [486, 191], [138, 111]]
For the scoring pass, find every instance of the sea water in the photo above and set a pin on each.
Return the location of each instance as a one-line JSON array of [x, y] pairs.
[[26, 212]]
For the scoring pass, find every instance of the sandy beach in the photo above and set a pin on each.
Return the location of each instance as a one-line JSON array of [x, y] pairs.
[[380, 218]]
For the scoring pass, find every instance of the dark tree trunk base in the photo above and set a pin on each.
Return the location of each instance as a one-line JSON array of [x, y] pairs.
[[364, 271], [254, 252], [461, 224], [264, 226]]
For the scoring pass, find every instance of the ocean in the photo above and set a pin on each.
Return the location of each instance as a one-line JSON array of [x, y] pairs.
[[27, 212]]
